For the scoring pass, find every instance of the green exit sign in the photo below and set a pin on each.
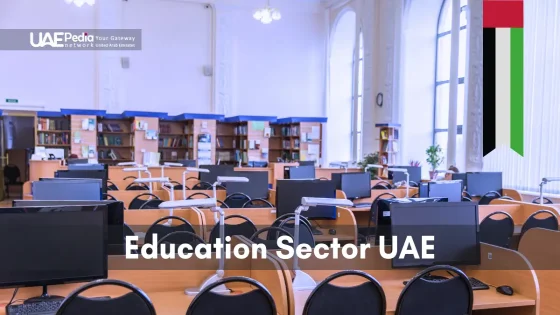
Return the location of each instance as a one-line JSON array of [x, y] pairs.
[[12, 100]]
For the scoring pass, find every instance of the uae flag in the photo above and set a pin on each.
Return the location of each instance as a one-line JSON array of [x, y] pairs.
[[503, 75]]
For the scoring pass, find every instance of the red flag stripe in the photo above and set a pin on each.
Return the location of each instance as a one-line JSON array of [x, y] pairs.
[[502, 13]]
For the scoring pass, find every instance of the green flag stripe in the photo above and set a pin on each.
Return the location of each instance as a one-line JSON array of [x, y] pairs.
[[516, 91]]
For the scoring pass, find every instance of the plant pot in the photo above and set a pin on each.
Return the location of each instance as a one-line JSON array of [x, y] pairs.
[[432, 174]]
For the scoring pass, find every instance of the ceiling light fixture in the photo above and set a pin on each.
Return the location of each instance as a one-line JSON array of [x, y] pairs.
[[80, 3], [267, 14]]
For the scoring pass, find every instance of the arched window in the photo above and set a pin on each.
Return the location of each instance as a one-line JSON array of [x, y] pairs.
[[359, 101], [443, 67], [341, 89]]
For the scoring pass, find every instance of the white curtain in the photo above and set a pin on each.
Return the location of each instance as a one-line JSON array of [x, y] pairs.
[[542, 105]]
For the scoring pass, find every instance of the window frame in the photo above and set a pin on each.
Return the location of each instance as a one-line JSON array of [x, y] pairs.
[[357, 95]]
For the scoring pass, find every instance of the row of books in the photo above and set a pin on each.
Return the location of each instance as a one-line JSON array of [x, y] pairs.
[[49, 138], [110, 154], [241, 156], [168, 128], [110, 140], [240, 130], [235, 144], [287, 144], [53, 124], [176, 142], [173, 155], [290, 131], [390, 146], [386, 136], [110, 127]]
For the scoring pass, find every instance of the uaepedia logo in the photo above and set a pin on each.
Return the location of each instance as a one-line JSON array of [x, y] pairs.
[[59, 39]]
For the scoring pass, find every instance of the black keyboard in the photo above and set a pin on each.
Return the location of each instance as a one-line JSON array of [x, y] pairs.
[[35, 308], [475, 283], [362, 205]]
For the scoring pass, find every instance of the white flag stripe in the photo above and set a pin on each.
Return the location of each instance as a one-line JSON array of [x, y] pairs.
[[503, 86]]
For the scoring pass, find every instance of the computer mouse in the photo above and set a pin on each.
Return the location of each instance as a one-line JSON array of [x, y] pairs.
[[505, 290], [332, 232]]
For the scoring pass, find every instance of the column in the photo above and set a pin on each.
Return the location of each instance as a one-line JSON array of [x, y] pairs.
[[453, 83]]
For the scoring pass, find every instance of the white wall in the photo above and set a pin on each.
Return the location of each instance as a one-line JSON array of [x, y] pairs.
[[275, 69]]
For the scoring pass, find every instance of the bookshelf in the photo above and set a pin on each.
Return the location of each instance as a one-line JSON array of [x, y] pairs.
[[388, 143], [115, 139], [83, 124], [175, 141], [296, 139], [53, 131]]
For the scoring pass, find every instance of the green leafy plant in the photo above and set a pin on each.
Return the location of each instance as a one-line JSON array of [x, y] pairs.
[[372, 158], [435, 156]]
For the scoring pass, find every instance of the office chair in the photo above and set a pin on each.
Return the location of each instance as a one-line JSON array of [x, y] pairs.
[[246, 228], [177, 185], [365, 233], [415, 195], [497, 231], [466, 194], [269, 243], [545, 200], [202, 186], [151, 204], [12, 177], [382, 185], [161, 230], [111, 186], [181, 237], [127, 231], [465, 198], [237, 200], [134, 302], [282, 218], [257, 203], [548, 223], [323, 178], [305, 230], [367, 298], [130, 177], [506, 198], [488, 197], [205, 195], [108, 197], [413, 184], [256, 302], [138, 201], [424, 297], [137, 186]]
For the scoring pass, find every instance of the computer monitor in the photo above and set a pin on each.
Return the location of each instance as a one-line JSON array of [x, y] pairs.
[[450, 189], [414, 174], [215, 171], [67, 188], [355, 185], [48, 248], [290, 192], [299, 172], [423, 190], [115, 216], [87, 167], [77, 161], [462, 177], [479, 184], [307, 163], [95, 174], [187, 163], [454, 226], [257, 187]]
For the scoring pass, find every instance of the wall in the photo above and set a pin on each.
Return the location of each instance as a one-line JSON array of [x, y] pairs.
[[275, 69]]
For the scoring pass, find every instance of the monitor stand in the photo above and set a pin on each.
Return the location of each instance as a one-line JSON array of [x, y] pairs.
[[43, 298]]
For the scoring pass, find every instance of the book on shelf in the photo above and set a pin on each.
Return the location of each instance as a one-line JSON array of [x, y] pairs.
[[112, 127], [59, 138], [110, 140], [384, 134], [396, 134], [286, 144], [47, 124], [296, 144], [240, 130]]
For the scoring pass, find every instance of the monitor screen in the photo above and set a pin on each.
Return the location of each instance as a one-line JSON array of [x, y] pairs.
[[479, 184], [66, 188], [454, 226], [215, 171], [115, 216], [414, 174], [356, 185], [300, 172], [307, 163], [290, 192], [187, 163], [48, 248], [77, 161], [257, 187], [93, 174], [446, 189]]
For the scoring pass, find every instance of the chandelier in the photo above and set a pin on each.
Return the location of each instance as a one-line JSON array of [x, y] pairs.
[[267, 14], [80, 3]]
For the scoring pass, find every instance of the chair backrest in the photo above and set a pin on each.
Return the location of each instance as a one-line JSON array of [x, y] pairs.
[[425, 297], [161, 230], [127, 231], [373, 209], [181, 237], [550, 222], [151, 204], [465, 198], [111, 186], [282, 218], [198, 194], [108, 197], [129, 177], [305, 231], [257, 203], [177, 185], [497, 231], [202, 186], [137, 186], [412, 184], [506, 198], [246, 228], [367, 298], [135, 302], [12, 173], [323, 178], [489, 196], [270, 244], [236, 200], [138, 201], [256, 302], [415, 195], [546, 201]]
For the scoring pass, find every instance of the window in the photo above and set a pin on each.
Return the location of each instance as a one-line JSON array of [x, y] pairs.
[[359, 102], [443, 67]]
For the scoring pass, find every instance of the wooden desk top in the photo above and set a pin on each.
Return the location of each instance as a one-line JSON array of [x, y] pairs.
[[483, 299]]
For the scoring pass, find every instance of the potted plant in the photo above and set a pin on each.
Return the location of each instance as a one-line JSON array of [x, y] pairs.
[[414, 163], [372, 158], [435, 158]]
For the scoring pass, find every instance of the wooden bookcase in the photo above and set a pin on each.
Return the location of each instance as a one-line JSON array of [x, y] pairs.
[[388, 143], [242, 138], [53, 131], [115, 139], [175, 141], [83, 124], [292, 137]]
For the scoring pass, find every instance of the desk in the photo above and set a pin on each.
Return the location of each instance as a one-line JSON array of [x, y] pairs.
[[44, 169], [325, 172]]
